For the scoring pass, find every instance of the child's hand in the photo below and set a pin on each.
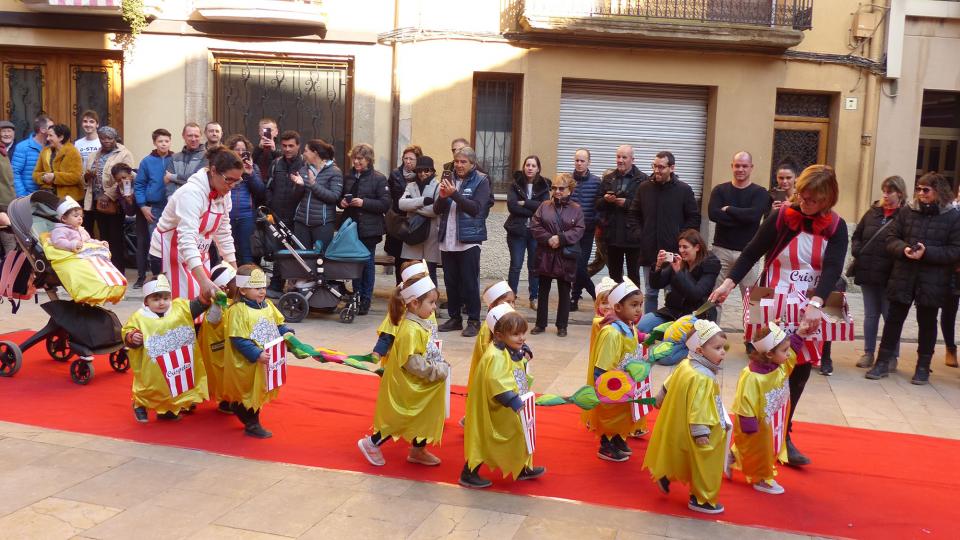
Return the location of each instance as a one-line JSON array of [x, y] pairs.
[[78, 246], [105, 244], [263, 358], [135, 338], [702, 441], [375, 355]]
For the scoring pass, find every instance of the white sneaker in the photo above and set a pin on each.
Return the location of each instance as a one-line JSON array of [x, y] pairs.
[[769, 486], [371, 452]]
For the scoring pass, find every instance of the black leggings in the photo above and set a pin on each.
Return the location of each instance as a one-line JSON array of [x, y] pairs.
[[543, 305], [378, 439], [948, 321], [926, 327], [798, 381], [616, 256]]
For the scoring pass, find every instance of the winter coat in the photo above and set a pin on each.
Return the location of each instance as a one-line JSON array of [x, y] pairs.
[[658, 213], [67, 169], [614, 218], [185, 164], [544, 224], [689, 289], [413, 202], [23, 160], [474, 199], [110, 188], [318, 206], [149, 189], [927, 281], [283, 195], [586, 192], [873, 263], [7, 192], [371, 186], [520, 206], [397, 185], [246, 195]]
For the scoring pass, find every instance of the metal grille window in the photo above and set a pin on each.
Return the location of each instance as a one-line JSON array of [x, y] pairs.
[[801, 129], [91, 91], [311, 97], [24, 90], [805, 105], [496, 106]]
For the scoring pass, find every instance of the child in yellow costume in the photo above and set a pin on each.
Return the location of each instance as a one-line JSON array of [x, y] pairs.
[[495, 434], [252, 322], [615, 346], [689, 441], [167, 376], [387, 331], [211, 336], [412, 395], [761, 408]]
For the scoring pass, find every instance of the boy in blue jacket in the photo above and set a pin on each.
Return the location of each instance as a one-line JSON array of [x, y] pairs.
[[149, 189]]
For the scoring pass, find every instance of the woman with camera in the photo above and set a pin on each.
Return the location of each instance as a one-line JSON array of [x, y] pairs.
[[316, 215], [244, 198], [418, 200], [557, 227], [524, 196], [397, 184], [924, 241], [366, 200], [786, 179], [690, 275], [101, 206]]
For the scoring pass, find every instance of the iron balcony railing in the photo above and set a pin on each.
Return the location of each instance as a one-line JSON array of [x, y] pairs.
[[796, 14]]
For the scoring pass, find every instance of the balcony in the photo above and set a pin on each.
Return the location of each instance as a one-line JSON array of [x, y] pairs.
[[265, 18], [756, 25]]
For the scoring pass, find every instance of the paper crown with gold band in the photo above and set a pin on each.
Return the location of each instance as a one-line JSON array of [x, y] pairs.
[[256, 280], [417, 289], [496, 313], [771, 340], [703, 330], [495, 291], [621, 291], [413, 270], [222, 274], [67, 205], [606, 285], [159, 285]]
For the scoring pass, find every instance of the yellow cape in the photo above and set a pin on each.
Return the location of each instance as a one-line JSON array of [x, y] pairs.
[[211, 338], [480, 345], [610, 351], [387, 327], [693, 397], [760, 396], [245, 381], [150, 388], [409, 407]]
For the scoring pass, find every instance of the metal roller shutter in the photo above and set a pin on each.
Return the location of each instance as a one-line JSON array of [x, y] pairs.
[[601, 116]]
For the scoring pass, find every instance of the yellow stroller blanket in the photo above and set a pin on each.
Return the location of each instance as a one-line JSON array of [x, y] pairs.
[[87, 275]]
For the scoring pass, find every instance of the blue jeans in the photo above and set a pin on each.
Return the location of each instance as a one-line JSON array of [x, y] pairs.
[[651, 296], [583, 281], [364, 285], [518, 246], [875, 305], [242, 230], [144, 233], [651, 320]]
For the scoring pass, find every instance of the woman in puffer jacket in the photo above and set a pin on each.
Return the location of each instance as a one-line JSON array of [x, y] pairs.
[[316, 215], [524, 196], [557, 224], [924, 241]]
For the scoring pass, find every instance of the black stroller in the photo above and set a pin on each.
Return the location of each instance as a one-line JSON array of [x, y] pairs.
[[316, 279], [74, 329]]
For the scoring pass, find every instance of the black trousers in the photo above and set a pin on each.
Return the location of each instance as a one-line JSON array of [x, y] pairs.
[[616, 256], [948, 321], [926, 327], [543, 302], [798, 381], [461, 277], [110, 228]]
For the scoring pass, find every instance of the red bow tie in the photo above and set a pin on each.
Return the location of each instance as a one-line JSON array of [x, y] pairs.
[[214, 194], [797, 221]]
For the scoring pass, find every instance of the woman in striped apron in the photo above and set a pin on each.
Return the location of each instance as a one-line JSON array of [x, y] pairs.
[[196, 215], [805, 246]]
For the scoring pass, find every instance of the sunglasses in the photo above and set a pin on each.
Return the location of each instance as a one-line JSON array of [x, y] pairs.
[[558, 188], [924, 189]]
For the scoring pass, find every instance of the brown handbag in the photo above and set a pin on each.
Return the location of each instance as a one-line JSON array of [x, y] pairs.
[[106, 205]]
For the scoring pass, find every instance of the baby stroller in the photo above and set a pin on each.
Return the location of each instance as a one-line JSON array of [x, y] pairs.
[[74, 329], [317, 279]]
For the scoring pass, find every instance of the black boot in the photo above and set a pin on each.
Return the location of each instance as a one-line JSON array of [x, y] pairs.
[[472, 479], [253, 427], [922, 373], [795, 458], [882, 368]]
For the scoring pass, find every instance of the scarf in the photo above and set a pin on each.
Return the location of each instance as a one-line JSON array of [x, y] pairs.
[[702, 360], [798, 221]]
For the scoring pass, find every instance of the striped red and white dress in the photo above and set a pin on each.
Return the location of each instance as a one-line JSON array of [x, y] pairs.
[[182, 282], [800, 265]]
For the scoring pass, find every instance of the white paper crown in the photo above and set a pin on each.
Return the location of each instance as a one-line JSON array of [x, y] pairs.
[[621, 290], [67, 205], [225, 276], [496, 313], [495, 291], [161, 284], [771, 340], [703, 330], [417, 289], [606, 285], [413, 270], [255, 280]]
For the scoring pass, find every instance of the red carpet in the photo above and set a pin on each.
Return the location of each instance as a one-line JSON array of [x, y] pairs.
[[863, 484]]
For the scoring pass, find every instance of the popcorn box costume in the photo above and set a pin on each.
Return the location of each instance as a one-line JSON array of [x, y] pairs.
[[212, 336]]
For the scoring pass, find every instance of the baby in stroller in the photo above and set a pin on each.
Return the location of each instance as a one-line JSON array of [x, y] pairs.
[[69, 234]]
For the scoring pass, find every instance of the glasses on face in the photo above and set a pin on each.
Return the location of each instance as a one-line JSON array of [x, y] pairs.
[[230, 180], [558, 188], [660, 167], [924, 189]]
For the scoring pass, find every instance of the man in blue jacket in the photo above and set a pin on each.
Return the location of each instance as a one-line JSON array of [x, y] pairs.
[[463, 206], [25, 155], [588, 187], [150, 191]]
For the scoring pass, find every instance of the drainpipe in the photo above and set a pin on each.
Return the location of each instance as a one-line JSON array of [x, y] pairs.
[[871, 114], [394, 94]]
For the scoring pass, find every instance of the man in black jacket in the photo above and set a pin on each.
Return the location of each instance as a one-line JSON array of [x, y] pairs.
[[659, 211], [285, 187], [266, 150], [614, 199]]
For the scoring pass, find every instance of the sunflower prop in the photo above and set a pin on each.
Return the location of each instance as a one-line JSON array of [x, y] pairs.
[[614, 386], [586, 398]]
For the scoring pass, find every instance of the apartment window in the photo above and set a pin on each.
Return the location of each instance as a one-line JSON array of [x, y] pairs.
[[801, 129], [939, 146], [496, 125]]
